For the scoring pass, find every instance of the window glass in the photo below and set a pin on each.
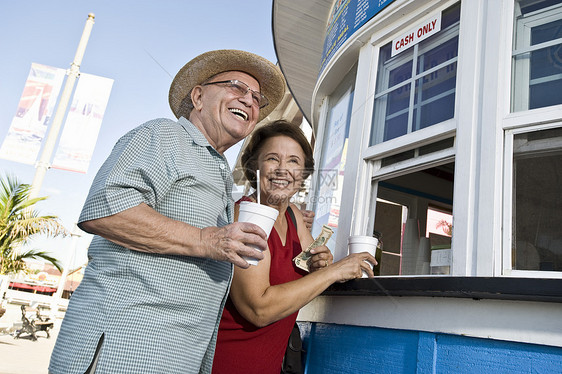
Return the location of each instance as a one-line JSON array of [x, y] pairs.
[[434, 100], [537, 201], [330, 172], [537, 55], [430, 68]]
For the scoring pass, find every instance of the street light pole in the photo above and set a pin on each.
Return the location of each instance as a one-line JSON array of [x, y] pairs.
[[44, 162], [55, 299]]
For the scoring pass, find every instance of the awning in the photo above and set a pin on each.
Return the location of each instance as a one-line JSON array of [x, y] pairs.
[[299, 28], [34, 287]]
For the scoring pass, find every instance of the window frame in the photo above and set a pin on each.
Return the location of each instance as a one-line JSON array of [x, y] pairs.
[[411, 55], [507, 251], [521, 69], [371, 155], [519, 122]]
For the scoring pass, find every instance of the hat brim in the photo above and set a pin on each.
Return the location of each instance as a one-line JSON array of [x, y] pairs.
[[208, 64]]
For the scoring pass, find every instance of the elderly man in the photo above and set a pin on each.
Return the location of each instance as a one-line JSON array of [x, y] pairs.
[[162, 214]]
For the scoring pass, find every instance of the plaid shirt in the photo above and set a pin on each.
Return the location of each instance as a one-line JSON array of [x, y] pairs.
[[159, 313]]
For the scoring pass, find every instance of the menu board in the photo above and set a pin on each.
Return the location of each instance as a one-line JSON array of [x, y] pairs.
[[347, 16]]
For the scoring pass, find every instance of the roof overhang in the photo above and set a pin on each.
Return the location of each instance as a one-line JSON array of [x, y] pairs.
[[299, 29]]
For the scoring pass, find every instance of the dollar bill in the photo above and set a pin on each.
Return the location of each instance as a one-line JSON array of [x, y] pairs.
[[301, 260]]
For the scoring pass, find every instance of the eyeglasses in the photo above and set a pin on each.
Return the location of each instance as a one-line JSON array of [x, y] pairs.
[[241, 89]]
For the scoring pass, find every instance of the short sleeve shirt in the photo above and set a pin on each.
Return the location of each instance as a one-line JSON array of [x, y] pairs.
[[157, 313]]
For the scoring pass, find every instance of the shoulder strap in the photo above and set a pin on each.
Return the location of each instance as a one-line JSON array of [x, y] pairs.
[[292, 215]]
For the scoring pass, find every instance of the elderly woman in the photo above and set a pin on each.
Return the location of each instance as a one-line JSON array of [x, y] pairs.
[[264, 299]]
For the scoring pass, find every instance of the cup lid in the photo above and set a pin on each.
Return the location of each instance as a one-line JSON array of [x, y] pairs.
[[362, 239], [262, 209]]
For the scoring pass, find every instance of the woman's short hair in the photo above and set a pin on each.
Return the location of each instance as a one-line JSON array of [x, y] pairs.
[[249, 158]]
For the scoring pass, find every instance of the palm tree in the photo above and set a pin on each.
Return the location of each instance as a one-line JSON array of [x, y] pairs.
[[19, 223]]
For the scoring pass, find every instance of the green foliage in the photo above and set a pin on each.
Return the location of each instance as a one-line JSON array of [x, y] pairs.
[[19, 223]]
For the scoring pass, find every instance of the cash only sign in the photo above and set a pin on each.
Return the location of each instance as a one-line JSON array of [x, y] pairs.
[[416, 34]]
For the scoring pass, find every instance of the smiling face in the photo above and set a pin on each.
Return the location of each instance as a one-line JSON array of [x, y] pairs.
[[281, 164], [223, 115]]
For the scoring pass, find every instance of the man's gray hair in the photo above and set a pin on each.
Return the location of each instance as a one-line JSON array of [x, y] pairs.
[[186, 106]]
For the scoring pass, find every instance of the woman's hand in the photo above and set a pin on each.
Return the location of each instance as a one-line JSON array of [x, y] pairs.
[[308, 218], [322, 257], [352, 266]]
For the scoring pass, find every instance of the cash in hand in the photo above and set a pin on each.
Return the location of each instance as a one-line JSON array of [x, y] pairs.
[[301, 260]]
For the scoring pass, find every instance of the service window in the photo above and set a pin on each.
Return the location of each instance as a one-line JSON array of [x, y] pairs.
[[412, 186], [414, 221], [537, 55]]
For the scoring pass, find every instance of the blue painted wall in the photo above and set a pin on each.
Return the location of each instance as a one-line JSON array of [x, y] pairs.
[[341, 349]]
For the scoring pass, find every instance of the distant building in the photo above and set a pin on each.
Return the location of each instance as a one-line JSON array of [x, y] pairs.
[[44, 280]]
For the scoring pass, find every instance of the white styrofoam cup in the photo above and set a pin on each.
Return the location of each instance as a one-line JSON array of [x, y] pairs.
[[262, 215], [363, 243]]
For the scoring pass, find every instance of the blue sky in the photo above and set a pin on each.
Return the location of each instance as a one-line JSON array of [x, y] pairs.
[[137, 43]]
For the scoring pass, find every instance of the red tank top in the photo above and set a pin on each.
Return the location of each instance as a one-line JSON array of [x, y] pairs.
[[244, 348]]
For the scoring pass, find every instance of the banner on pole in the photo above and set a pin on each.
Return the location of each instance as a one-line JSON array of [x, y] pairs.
[[35, 109], [83, 123]]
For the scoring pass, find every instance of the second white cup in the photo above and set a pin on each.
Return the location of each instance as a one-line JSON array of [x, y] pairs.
[[362, 243], [262, 215]]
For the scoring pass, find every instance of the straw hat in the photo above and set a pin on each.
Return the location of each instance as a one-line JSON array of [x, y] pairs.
[[204, 66]]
